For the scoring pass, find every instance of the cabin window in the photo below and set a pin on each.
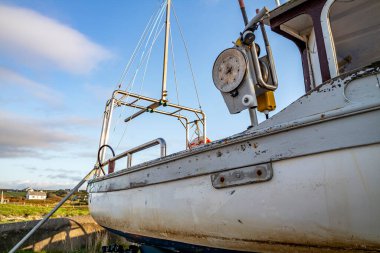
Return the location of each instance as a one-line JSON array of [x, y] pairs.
[[355, 27]]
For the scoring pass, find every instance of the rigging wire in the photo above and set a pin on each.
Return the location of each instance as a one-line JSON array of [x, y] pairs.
[[174, 68], [150, 50], [143, 35], [157, 19], [188, 57], [158, 16], [175, 75], [149, 54], [154, 28], [146, 44]]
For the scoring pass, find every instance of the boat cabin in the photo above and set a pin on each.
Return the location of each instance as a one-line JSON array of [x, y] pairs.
[[333, 36]]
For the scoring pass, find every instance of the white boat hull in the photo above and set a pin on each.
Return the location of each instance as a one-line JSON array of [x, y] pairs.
[[324, 194], [327, 200]]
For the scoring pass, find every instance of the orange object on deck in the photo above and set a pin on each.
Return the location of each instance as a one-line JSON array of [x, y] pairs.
[[198, 141]]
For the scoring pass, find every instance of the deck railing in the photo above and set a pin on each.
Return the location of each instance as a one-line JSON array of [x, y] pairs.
[[111, 162]]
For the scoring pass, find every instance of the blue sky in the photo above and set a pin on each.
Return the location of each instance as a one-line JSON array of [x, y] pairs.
[[61, 60]]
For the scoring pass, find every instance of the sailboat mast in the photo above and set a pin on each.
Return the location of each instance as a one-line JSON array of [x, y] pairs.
[[165, 67]]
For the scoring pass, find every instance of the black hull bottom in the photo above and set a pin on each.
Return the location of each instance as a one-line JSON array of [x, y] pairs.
[[167, 246]]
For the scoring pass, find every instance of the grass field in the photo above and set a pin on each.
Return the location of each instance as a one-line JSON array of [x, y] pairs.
[[14, 194], [14, 213]]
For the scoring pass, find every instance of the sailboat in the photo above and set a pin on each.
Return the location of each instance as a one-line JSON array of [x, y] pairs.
[[304, 180]]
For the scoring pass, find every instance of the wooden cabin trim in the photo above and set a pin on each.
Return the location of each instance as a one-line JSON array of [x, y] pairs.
[[313, 8], [304, 58]]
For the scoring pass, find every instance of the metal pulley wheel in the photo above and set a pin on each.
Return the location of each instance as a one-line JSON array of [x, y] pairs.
[[229, 69]]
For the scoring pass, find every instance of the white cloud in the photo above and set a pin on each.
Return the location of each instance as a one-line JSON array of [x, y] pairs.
[[32, 37], [76, 121], [25, 137], [38, 184], [9, 78]]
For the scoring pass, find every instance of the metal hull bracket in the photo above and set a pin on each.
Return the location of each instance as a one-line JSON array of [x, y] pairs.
[[242, 176]]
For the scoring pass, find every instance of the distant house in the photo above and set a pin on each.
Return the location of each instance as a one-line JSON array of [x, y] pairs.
[[40, 195]]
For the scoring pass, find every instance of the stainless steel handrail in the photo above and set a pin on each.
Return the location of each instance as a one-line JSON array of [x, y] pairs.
[[128, 153]]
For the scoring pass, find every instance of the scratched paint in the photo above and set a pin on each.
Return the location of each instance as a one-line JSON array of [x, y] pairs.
[[324, 205], [323, 196]]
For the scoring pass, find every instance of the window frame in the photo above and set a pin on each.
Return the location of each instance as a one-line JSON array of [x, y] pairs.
[[328, 39]]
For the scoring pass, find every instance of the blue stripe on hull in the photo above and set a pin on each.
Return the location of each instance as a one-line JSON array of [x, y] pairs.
[[170, 245]]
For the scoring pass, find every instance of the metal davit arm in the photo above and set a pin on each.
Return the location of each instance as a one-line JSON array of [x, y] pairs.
[[153, 100], [117, 99], [155, 103]]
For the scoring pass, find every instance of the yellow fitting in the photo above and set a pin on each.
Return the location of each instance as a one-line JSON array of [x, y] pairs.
[[266, 102], [238, 42]]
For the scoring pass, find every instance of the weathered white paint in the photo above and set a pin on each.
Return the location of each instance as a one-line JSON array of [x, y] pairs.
[[274, 146], [360, 88], [316, 122], [324, 193], [326, 200]]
